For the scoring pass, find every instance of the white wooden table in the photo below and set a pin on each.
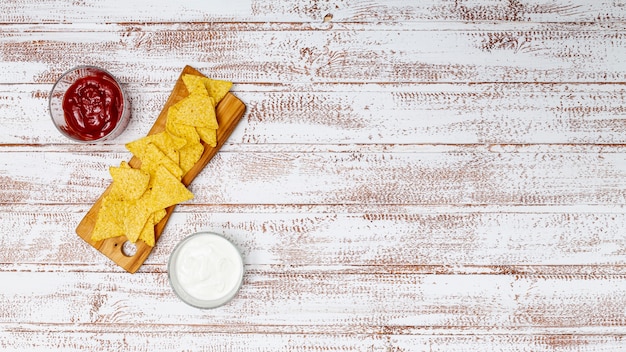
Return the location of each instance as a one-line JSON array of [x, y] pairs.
[[432, 175]]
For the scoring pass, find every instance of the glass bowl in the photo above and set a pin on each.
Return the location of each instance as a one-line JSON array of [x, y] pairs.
[[205, 270], [88, 104]]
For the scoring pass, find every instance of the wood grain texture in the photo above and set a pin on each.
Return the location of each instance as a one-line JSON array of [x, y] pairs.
[[376, 239], [409, 176], [325, 302], [347, 55], [304, 10], [335, 178], [397, 114], [171, 341]]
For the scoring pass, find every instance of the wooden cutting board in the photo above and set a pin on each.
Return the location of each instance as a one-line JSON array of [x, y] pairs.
[[229, 111]]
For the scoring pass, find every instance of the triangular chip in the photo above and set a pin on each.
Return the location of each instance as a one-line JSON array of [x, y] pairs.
[[135, 218], [186, 132], [167, 190], [189, 156], [108, 223], [120, 218], [128, 183], [194, 84], [166, 142], [153, 157], [147, 234], [194, 110], [208, 135], [217, 89], [159, 215]]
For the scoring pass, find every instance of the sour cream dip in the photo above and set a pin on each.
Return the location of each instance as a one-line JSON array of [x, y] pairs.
[[205, 270]]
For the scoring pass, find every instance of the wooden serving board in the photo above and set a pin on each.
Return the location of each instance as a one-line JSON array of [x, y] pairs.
[[229, 111]]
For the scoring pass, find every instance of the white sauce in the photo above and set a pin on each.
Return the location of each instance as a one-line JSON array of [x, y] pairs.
[[208, 268]]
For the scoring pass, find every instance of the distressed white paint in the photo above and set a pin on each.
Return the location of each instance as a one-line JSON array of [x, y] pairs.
[[429, 176]]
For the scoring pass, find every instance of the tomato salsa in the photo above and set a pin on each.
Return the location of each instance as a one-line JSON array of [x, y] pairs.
[[93, 106]]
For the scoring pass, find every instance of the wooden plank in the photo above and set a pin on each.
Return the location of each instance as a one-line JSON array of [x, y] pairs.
[[412, 178], [369, 114], [533, 240], [21, 339], [303, 10], [345, 303], [229, 111], [431, 176], [338, 56]]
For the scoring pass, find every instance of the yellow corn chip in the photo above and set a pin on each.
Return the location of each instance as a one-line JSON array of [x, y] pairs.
[[120, 217], [189, 156], [135, 218], [152, 157], [217, 89], [208, 135], [195, 84], [194, 110], [107, 224], [167, 190], [147, 234], [128, 183], [159, 215], [166, 142], [186, 132]]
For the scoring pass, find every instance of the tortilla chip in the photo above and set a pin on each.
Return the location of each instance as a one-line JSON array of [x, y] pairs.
[[135, 219], [147, 234], [167, 190], [189, 156], [217, 89], [107, 222], [166, 142], [159, 215], [128, 183], [186, 132], [194, 84], [152, 157], [120, 218], [208, 135], [194, 110]]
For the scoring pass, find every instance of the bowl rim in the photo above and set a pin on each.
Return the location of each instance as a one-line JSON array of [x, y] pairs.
[[119, 127], [199, 303]]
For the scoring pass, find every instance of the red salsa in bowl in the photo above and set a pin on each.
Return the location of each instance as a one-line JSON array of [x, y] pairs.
[[87, 104]]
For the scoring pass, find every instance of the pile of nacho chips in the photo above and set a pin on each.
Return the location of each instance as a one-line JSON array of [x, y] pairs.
[[138, 197]]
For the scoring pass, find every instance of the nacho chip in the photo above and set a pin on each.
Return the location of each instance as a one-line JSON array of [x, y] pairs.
[[167, 190], [217, 89], [147, 234], [120, 218], [189, 156], [159, 215], [128, 183], [186, 132], [107, 222], [208, 135], [152, 157], [194, 84], [194, 110], [135, 218], [166, 142]]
